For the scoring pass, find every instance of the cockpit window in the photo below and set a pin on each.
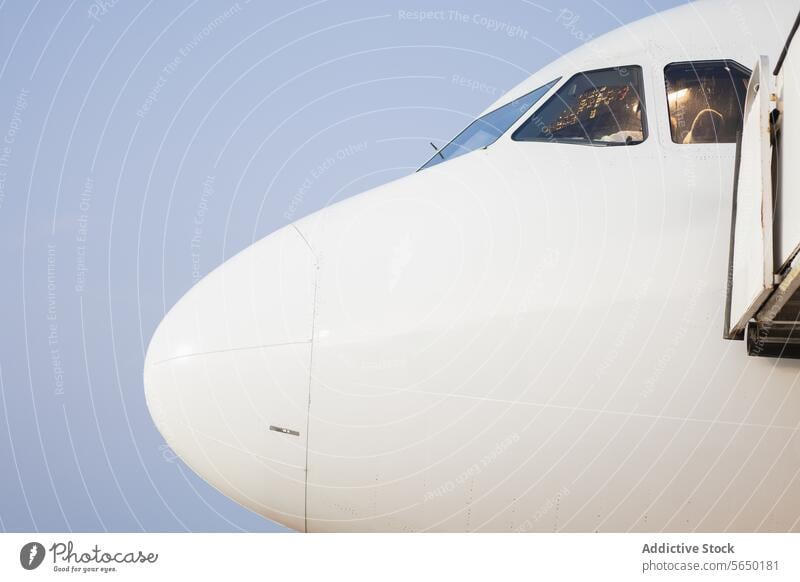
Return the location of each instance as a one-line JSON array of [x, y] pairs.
[[485, 130], [603, 107], [705, 100]]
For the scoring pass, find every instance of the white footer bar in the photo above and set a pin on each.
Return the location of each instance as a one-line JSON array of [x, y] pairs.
[[402, 557]]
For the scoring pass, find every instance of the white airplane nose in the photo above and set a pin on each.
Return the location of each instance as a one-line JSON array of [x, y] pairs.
[[227, 376]]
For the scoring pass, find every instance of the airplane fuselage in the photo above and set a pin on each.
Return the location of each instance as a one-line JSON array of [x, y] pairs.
[[527, 337]]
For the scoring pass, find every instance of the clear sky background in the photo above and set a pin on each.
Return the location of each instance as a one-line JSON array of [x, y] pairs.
[[143, 143]]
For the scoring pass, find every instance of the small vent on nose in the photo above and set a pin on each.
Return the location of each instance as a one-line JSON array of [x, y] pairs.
[[284, 430]]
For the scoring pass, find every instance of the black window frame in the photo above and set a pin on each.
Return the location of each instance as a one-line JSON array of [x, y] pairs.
[[728, 62], [588, 142]]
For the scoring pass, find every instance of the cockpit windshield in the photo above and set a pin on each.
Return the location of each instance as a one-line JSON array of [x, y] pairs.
[[485, 130], [602, 107], [706, 99]]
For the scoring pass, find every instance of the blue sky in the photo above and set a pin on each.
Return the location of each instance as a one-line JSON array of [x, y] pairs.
[[144, 143]]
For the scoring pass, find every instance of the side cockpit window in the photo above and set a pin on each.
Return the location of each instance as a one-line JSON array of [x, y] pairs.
[[603, 107], [705, 100], [485, 130]]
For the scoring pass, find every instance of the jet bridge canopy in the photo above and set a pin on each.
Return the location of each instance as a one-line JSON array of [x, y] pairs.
[[763, 295]]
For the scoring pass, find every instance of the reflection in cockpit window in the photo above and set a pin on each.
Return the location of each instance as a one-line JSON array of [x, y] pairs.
[[705, 100], [485, 130], [604, 107]]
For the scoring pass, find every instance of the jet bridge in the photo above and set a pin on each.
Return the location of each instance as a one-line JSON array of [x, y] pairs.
[[763, 291]]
